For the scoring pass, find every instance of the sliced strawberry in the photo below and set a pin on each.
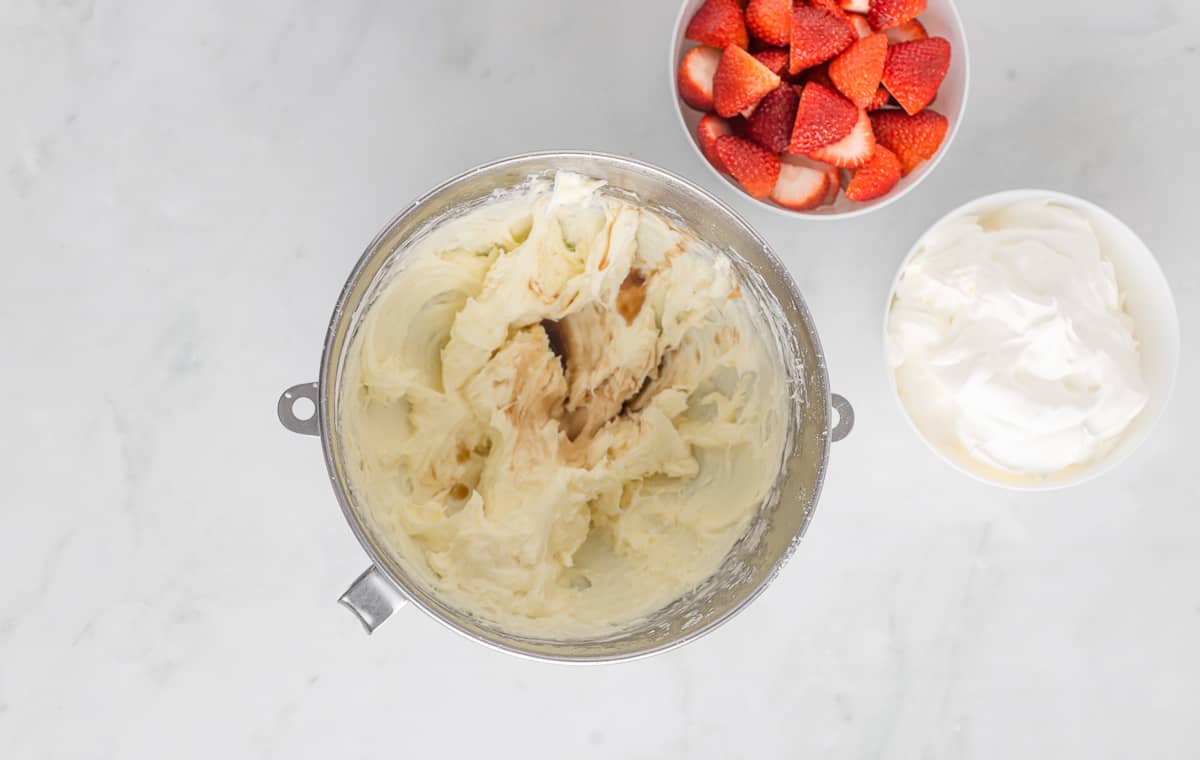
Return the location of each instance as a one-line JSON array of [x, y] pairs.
[[876, 178], [771, 123], [912, 138], [829, 5], [914, 71], [718, 24], [906, 32], [881, 99], [740, 81], [775, 59], [696, 72], [823, 117], [770, 20], [820, 75], [856, 72], [860, 25], [853, 150], [835, 185], [755, 167], [884, 14], [710, 128], [818, 34], [856, 6], [801, 185]]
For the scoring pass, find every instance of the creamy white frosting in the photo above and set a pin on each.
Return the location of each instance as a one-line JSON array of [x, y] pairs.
[[562, 497], [1009, 341]]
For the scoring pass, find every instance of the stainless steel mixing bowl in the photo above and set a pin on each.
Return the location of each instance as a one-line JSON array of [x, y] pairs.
[[780, 521]]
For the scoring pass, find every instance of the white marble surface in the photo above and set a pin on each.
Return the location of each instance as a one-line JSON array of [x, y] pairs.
[[185, 186]]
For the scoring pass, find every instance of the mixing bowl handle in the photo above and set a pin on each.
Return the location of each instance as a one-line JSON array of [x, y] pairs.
[[845, 415], [372, 598], [287, 414]]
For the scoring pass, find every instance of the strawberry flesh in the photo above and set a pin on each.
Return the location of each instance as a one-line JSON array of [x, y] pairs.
[[740, 82], [708, 131], [696, 72], [823, 117], [802, 184], [718, 23], [914, 71], [906, 32], [853, 150], [752, 165]]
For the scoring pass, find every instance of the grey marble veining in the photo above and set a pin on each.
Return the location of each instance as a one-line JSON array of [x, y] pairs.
[[183, 188]]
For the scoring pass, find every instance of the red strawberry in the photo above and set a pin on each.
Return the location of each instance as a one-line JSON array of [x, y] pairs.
[[740, 81], [775, 59], [770, 20], [906, 32], [876, 178], [710, 128], [912, 138], [884, 14], [696, 72], [857, 71], [771, 123], [860, 25], [718, 24], [829, 5], [853, 150], [823, 117], [914, 71], [755, 167], [881, 99], [820, 75], [856, 6], [801, 184], [818, 34]]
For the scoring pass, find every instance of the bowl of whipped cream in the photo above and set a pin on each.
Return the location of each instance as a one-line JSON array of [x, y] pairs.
[[1031, 339]]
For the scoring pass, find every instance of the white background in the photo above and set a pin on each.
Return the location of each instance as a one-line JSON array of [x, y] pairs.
[[184, 187]]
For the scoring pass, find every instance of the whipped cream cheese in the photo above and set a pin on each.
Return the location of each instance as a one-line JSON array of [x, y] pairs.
[[1009, 342], [561, 410]]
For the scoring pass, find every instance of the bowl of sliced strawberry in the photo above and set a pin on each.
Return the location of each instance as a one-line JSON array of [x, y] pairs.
[[820, 108]]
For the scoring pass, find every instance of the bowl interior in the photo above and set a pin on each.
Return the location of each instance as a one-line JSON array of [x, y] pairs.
[[781, 519], [941, 20], [1156, 326]]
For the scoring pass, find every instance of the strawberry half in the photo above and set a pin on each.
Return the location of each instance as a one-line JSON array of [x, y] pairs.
[[696, 72], [856, 6], [718, 23], [820, 75], [884, 14], [770, 20], [857, 71], [835, 185], [881, 99], [775, 59], [912, 138], [818, 34], [708, 131], [906, 32], [860, 25], [740, 81], [771, 123], [755, 167], [823, 117], [876, 178], [801, 186], [853, 150], [914, 71]]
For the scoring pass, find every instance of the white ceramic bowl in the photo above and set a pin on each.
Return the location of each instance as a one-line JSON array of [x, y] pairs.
[[940, 19], [1156, 327]]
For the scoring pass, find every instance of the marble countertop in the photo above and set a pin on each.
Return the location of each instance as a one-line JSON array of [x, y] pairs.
[[184, 188]]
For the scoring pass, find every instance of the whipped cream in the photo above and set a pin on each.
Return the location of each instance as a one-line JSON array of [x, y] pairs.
[[561, 410], [1009, 342]]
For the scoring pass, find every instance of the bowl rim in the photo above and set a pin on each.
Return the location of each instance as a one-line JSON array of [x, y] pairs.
[[329, 371], [1106, 463], [874, 205]]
